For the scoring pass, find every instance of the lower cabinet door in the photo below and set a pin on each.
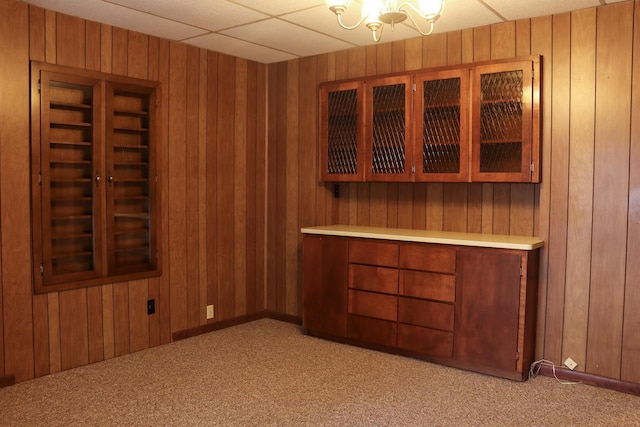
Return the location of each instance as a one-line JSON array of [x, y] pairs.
[[325, 276], [487, 308]]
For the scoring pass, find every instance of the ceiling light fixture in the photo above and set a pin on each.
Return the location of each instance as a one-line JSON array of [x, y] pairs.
[[376, 13]]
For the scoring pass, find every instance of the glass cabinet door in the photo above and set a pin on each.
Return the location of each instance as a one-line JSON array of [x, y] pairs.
[[441, 114], [388, 135], [341, 153], [503, 122]]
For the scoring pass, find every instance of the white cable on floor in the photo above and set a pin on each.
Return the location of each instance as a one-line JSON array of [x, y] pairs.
[[534, 370]]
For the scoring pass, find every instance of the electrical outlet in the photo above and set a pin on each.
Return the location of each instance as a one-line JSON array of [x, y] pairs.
[[210, 312], [570, 363], [151, 306]]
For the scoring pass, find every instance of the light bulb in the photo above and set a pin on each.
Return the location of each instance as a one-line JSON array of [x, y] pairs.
[[371, 10], [430, 8]]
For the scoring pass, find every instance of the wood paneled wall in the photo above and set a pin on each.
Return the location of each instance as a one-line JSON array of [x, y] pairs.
[[212, 149], [587, 207]]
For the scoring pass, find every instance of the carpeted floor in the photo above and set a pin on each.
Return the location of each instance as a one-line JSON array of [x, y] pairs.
[[268, 373]]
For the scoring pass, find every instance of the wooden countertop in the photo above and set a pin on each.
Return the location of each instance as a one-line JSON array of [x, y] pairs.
[[427, 236]]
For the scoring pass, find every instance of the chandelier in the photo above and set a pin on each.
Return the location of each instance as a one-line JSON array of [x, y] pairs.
[[376, 13]]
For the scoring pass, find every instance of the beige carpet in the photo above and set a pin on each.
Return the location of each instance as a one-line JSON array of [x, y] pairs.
[[268, 373]]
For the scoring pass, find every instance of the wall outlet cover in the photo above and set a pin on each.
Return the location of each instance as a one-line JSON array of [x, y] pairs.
[[210, 312], [570, 363]]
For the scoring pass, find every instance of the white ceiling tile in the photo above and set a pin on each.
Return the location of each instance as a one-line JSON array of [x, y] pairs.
[[112, 14], [209, 15], [285, 36], [276, 8], [239, 48], [461, 14], [518, 9]]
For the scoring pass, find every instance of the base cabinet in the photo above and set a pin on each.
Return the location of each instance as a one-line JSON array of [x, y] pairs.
[[468, 307]]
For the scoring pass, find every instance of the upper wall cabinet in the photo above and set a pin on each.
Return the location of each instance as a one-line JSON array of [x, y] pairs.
[[95, 207], [474, 122]]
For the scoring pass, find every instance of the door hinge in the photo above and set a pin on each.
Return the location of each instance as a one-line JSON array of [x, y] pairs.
[[521, 272], [39, 86], [40, 178], [532, 167], [41, 270], [413, 168], [414, 87], [517, 355]]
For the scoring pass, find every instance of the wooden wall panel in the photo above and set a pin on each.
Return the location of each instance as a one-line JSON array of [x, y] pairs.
[[557, 241], [211, 198], [290, 169], [581, 157], [630, 369], [192, 144], [542, 44], [177, 185], [251, 196], [201, 161], [14, 192], [40, 302], [138, 318], [153, 291], [610, 188], [240, 188], [261, 201], [74, 334], [272, 242], [121, 338], [225, 198]]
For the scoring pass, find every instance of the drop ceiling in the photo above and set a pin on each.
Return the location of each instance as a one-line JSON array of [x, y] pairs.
[[269, 31]]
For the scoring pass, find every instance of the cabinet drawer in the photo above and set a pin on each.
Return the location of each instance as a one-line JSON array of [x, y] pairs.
[[373, 252], [436, 258], [425, 340], [373, 331], [377, 279], [420, 284], [370, 304], [429, 314]]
